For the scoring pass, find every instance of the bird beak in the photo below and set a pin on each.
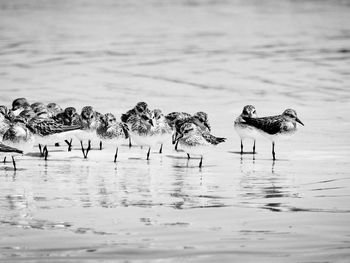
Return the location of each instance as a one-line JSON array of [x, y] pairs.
[[151, 122], [207, 125], [299, 121]]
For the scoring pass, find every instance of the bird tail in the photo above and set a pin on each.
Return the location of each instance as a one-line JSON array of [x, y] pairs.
[[5, 148], [219, 140]]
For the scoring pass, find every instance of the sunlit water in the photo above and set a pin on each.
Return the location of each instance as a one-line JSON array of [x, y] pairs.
[[215, 56]]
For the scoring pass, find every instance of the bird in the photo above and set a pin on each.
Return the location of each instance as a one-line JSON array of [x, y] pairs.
[[7, 149], [111, 131], [140, 109], [200, 118], [68, 117], [139, 122], [194, 140], [274, 127], [20, 104], [161, 129], [28, 128], [89, 120], [243, 129]]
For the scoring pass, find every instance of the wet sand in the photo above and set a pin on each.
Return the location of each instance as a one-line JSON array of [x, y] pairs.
[[188, 56]]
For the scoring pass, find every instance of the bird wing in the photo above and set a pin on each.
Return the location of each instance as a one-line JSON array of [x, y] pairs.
[[46, 127], [126, 116], [270, 125], [5, 148], [212, 139]]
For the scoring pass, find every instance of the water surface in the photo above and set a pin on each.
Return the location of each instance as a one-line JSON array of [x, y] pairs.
[[215, 56]]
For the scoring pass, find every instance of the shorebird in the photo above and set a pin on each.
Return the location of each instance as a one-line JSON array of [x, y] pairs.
[[141, 108], [139, 122], [200, 118], [194, 140], [243, 129], [111, 131], [274, 127], [68, 117], [90, 120], [27, 128], [7, 149], [20, 104], [161, 129]]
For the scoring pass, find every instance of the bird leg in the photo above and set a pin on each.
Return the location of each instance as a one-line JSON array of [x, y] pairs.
[[201, 162], [116, 155], [177, 143], [5, 159], [45, 152], [41, 152], [69, 144], [241, 147], [100, 145], [254, 147], [88, 149], [273, 151], [130, 142], [82, 149], [161, 148], [149, 151], [188, 156], [14, 163]]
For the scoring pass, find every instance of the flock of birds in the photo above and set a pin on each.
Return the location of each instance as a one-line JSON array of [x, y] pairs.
[[25, 125]]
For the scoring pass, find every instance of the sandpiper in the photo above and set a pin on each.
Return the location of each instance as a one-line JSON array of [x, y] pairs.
[[90, 120], [28, 127], [194, 140], [200, 118], [139, 122], [111, 131], [274, 127], [141, 108], [161, 129], [68, 117], [243, 129]]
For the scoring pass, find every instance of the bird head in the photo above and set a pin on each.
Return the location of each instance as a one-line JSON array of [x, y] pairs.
[[249, 111], [19, 105], [108, 120], [202, 119], [292, 114]]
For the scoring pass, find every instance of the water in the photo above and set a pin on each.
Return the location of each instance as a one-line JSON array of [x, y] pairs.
[[215, 56]]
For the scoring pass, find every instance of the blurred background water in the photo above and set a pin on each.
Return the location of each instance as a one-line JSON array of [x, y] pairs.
[[214, 56]]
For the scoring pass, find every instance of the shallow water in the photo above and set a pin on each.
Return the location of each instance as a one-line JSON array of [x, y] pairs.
[[215, 56]]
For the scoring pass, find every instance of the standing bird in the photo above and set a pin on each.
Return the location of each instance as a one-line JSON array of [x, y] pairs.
[[111, 131], [139, 122], [7, 149], [243, 129], [200, 118], [274, 127], [161, 129], [90, 120], [194, 140], [141, 108], [68, 117], [28, 128]]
